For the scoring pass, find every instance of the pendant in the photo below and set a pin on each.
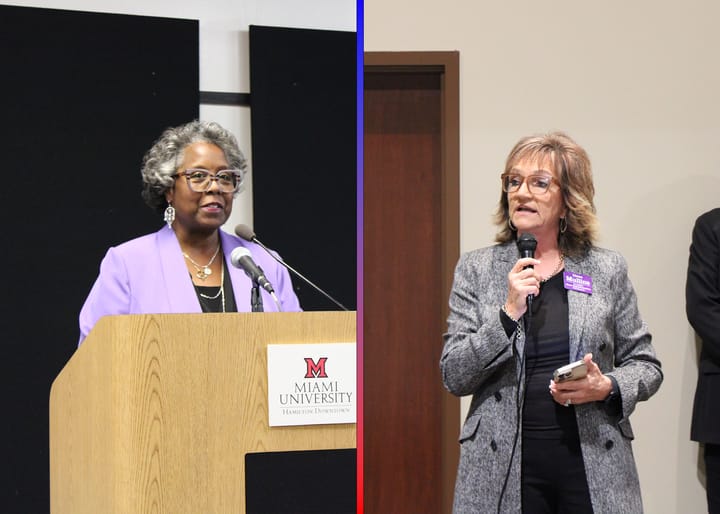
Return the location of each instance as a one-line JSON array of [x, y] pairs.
[[203, 273]]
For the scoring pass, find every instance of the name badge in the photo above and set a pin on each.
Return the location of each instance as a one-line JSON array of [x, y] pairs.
[[577, 282]]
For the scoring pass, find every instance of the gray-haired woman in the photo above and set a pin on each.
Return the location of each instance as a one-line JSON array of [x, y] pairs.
[[191, 175]]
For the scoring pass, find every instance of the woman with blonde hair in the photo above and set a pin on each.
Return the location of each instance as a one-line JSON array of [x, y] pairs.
[[533, 442]]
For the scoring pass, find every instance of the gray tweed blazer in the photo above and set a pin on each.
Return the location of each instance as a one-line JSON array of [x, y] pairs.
[[479, 359]]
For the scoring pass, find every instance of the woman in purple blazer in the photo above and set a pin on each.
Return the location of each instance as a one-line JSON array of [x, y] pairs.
[[191, 175]]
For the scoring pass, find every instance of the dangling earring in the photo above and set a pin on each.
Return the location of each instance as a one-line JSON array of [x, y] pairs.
[[563, 225], [169, 215], [510, 224]]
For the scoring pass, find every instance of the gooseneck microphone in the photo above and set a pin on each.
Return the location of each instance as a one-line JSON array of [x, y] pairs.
[[527, 244], [246, 233], [241, 258]]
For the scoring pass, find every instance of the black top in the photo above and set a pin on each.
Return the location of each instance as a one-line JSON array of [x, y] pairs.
[[547, 347], [214, 302]]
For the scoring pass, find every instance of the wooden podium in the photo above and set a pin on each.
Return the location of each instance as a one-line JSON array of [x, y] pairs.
[[155, 413]]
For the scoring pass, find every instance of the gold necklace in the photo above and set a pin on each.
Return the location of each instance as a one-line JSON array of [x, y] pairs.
[[203, 272], [556, 270], [221, 291]]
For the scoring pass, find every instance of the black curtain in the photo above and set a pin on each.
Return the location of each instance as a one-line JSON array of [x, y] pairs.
[[303, 107], [84, 95]]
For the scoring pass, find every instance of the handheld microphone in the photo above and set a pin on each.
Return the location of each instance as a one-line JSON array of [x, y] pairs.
[[246, 233], [527, 244], [242, 258]]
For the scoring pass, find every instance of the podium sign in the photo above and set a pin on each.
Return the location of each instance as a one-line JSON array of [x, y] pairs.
[[311, 384]]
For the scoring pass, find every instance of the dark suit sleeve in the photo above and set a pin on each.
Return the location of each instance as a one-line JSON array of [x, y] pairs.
[[702, 294]]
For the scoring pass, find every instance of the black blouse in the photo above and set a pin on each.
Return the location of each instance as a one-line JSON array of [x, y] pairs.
[[547, 347]]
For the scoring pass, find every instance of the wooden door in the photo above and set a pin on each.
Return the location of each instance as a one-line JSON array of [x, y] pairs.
[[411, 244]]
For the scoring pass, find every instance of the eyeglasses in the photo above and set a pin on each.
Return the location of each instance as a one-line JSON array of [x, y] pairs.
[[200, 181], [537, 184]]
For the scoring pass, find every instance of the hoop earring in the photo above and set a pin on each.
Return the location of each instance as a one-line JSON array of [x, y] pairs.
[[563, 225], [510, 225], [169, 215]]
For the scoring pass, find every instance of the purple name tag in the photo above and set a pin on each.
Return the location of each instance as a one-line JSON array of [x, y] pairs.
[[577, 282]]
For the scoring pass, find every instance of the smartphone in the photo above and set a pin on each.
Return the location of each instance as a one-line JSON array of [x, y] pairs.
[[572, 371]]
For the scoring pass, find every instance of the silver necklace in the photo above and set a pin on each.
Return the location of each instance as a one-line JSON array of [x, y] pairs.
[[221, 291], [556, 270], [203, 272]]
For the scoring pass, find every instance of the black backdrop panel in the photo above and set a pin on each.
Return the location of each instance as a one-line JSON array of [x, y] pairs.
[[303, 98], [84, 95], [301, 482]]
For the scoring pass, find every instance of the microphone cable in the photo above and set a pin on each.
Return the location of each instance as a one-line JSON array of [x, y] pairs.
[[526, 245], [519, 402]]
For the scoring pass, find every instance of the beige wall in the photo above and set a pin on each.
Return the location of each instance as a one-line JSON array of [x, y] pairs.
[[636, 83]]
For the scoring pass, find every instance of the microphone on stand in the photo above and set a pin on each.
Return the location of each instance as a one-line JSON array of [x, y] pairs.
[[242, 258], [246, 233]]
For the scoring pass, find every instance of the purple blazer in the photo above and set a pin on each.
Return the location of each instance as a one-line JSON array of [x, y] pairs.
[[148, 275]]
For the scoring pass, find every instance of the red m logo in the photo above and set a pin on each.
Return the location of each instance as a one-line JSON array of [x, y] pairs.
[[315, 370]]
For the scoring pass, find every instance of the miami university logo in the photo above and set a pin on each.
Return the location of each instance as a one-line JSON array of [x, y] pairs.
[[315, 370]]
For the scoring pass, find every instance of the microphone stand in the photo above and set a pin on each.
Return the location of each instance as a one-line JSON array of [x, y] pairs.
[[256, 299]]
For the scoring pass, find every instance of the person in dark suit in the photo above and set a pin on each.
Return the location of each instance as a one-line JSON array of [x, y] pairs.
[[527, 447], [702, 304]]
